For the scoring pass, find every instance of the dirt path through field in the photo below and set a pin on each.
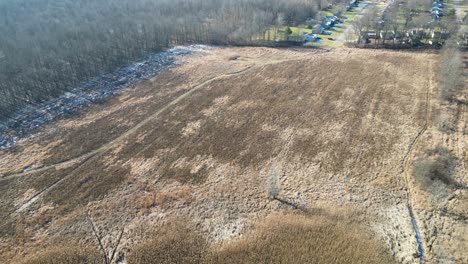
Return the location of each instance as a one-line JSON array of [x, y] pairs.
[[460, 141], [79, 161], [95, 153], [103, 148], [339, 127], [462, 128]]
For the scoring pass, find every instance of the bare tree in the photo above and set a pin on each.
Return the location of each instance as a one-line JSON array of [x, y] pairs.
[[358, 27], [272, 184], [108, 256], [451, 71]]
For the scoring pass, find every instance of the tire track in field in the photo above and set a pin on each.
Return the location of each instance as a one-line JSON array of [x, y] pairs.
[[78, 160], [406, 170], [460, 138], [81, 160], [97, 152]]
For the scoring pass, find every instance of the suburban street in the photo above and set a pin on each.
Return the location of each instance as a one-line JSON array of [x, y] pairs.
[[361, 10]]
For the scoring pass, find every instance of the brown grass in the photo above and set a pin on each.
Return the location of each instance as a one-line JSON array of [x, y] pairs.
[[174, 242], [84, 134], [340, 120], [89, 182], [73, 254], [303, 239], [165, 199], [329, 102], [280, 238]]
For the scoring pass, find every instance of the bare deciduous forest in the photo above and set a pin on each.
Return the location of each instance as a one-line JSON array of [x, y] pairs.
[[49, 46]]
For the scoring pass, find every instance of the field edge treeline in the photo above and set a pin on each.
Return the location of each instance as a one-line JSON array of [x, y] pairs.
[[49, 47]]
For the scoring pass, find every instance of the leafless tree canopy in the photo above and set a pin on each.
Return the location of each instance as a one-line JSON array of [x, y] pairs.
[[451, 71], [49, 46]]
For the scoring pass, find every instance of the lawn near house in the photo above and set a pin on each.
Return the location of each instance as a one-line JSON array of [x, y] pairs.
[[280, 33], [338, 30], [297, 32]]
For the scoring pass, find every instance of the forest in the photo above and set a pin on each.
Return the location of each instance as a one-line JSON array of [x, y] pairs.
[[49, 46]]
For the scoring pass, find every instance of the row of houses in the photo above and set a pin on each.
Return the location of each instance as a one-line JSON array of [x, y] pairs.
[[414, 36], [322, 28], [326, 24], [411, 37]]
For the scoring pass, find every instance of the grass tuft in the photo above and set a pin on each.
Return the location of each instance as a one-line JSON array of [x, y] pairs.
[[174, 242], [66, 255]]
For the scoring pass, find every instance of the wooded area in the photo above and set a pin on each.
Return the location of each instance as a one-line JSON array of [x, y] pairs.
[[50, 46]]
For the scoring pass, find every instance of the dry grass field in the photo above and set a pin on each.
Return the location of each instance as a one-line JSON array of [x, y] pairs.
[[199, 141]]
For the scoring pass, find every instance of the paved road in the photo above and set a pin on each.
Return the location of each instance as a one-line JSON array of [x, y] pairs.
[[362, 9]]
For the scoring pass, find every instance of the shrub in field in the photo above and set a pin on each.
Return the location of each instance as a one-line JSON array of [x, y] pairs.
[[444, 123], [436, 167], [434, 173]]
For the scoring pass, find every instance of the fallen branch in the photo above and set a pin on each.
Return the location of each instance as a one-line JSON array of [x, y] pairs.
[[107, 259]]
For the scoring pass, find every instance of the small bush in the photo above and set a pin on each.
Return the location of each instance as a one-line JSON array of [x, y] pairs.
[[437, 166], [444, 124], [434, 173], [66, 255], [172, 243]]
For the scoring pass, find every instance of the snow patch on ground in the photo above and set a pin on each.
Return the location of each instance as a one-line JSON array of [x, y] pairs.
[[29, 119]]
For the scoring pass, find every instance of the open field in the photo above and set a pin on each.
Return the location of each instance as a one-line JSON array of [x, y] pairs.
[[200, 141]]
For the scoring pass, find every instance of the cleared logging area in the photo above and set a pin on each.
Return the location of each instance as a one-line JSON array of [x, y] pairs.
[[335, 126]]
